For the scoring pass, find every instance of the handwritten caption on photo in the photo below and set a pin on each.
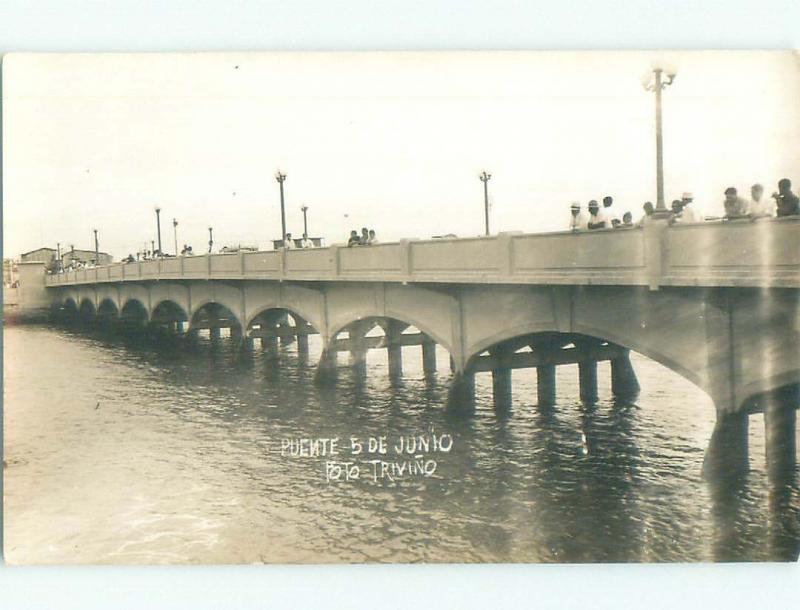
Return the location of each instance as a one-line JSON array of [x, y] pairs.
[[374, 458]]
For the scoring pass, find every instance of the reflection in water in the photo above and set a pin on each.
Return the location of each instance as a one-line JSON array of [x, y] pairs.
[[181, 462]]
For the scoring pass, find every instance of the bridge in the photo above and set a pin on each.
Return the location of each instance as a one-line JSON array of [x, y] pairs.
[[718, 303]]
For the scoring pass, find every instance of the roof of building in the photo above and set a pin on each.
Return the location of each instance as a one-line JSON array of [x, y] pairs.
[[38, 250]]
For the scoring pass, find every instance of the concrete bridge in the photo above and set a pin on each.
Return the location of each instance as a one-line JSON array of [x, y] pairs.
[[718, 303]]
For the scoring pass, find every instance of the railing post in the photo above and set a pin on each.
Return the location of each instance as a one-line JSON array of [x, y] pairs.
[[334, 260], [208, 266], [655, 248], [405, 258], [281, 263], [506, 252]]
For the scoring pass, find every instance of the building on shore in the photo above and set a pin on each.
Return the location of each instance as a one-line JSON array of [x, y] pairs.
[[49, 256]]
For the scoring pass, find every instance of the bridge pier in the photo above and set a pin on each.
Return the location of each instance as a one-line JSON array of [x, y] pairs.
[[587, 373], [215, 333], [623, 378], [358, 349], [327, 367], [727, 454], [394, 349], [461, 395], [429, 357], [780, 422], [269, 345], [501, 390], [546, 385]]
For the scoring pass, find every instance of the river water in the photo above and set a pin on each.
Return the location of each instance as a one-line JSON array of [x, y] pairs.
[[122, 451]]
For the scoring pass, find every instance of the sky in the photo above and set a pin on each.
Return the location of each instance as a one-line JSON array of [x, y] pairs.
[[390, 141]]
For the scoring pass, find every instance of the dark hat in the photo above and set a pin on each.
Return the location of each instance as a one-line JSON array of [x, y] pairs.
[[730, 191]]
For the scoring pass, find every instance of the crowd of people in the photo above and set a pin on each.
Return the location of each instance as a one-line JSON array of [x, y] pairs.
[[367, 238], [782, 203]]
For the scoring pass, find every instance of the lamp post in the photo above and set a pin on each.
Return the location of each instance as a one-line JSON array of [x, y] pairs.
[[158, 228], [281, 178], [175, 234], [305, 219], [210, 238], [96, 248], [485, 177], [658, 85]]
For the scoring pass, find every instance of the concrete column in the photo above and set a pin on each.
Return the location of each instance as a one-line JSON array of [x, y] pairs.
[[452, 364], [429, 357], [623, 377], [302, 345], [395, 359], [727, 453], [461, 396], [326, 369], [247, 344], [546, 385], [587, 372], [236, 332], [358, 349], [269, 345], [501, 390], [215, 333], [780, 421]]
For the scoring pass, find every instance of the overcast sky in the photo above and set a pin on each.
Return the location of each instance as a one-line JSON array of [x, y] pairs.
[[394, 142]]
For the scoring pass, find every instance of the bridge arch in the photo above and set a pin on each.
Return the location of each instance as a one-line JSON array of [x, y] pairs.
[[87, 310], [210, 311], [167, 310], [604, 334], [374, 320], [107, 310], [134, 313]]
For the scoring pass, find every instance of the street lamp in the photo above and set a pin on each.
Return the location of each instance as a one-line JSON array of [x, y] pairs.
[[210, 239], [485, 177], [281, 178], [175, 234], [96, 248], [158, 228], [304, 208], [658, 85]]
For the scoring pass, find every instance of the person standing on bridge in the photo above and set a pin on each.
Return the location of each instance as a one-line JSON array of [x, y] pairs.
[[288, 243], [305, 242], [759, 207], [648, 212], [597, 217], [735, 206], [788, 203], [372, 238], [578, 220], [611, 215], [353, 241], [688, 211]]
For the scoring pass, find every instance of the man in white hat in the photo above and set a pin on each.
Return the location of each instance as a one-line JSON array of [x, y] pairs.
[[578, 221], [688, 212]]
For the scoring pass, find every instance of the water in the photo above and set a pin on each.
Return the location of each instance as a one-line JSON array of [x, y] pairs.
[[128, 452]]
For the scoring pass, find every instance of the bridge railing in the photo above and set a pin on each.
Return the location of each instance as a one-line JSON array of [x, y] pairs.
[[760, 253]]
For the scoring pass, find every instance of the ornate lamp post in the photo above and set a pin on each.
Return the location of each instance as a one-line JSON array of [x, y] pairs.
[[281, 178], [175, 234], [210, 238], [96, 248], [304, 209], [485, 177], [658, 85]]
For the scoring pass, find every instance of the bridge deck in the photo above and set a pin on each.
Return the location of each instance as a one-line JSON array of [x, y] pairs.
[[764, 253]]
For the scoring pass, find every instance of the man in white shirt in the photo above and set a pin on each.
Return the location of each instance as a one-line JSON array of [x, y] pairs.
[[305, 242], [760, 206], [578, 220], [598, 219], [288, 243], [688, 212]]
